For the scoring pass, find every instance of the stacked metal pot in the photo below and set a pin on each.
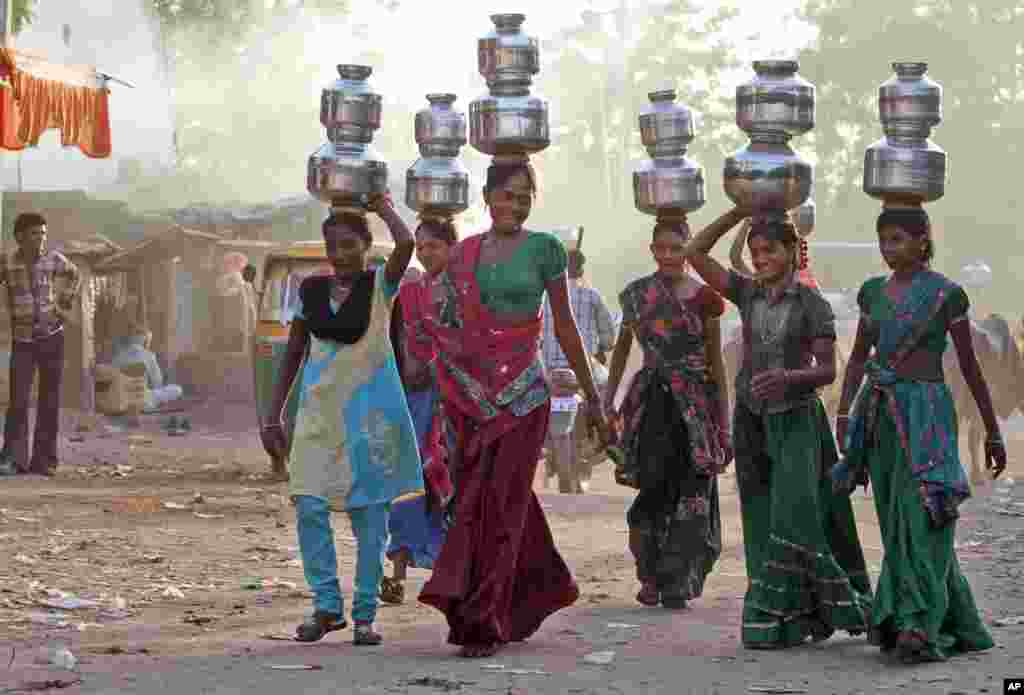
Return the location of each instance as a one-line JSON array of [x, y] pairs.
[[669, 185], [346, 170], [509, 121], [438, 183], [768, 175], [905, 167]]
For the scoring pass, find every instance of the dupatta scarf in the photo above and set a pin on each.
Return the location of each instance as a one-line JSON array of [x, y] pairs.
[[672, 335], [415, 302], [922, 411], [489, 372]]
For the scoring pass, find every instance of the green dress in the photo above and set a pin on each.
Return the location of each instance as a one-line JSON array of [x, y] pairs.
[[806, 570], [903, 434]]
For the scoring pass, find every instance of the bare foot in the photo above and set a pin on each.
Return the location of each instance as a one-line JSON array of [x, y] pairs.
[[649, 594]]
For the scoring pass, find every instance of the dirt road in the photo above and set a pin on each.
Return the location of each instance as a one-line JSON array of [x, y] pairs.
[[150, 555]]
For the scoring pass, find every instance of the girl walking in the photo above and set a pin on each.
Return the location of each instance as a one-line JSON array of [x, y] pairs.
[[675, 440], [355, 447], [902, 435], [418, 521], [805, 565], [499, 575]]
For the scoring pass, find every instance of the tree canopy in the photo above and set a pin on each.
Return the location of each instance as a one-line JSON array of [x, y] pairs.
[[21, 14], [974, 51]]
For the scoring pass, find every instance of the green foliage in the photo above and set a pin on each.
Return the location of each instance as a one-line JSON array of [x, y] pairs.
[[974, 50], [245, 100], [597, 85], [22, 14]]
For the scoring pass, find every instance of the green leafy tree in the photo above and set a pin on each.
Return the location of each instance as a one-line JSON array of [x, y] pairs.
[[246, 114], [974, 50], [22, 14], [598, 81]]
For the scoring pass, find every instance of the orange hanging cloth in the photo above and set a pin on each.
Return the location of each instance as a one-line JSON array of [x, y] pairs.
[[30, 105]]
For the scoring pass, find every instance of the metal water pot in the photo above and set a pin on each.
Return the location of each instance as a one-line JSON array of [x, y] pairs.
[[772, 108], [776, 101], [438, 183], [509, 120], [976, 275], [349, 108], [905, 166], [804, 217], [669, 184], [346, 174], [347, 170], [767, 176]]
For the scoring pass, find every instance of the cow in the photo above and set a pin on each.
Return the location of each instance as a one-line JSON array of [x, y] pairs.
[[1000, 356]]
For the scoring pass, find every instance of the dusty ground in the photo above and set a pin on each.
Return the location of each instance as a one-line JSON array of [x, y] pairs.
[[148, 550]]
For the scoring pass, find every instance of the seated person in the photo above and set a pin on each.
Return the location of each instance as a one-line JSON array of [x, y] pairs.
[[133, 348]]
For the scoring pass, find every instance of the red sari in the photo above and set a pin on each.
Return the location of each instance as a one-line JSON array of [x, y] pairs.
[[415, 303], [498, 575]]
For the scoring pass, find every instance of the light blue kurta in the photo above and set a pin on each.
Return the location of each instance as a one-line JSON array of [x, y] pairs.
[[354, 441]]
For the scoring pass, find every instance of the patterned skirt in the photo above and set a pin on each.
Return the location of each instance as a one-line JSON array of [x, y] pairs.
[[674, 522], [805, 566]]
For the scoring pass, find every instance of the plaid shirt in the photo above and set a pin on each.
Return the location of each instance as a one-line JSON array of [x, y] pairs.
[[39, 297], [593, 319]]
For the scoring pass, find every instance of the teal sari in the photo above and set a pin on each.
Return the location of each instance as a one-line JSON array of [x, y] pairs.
[[903, 435]]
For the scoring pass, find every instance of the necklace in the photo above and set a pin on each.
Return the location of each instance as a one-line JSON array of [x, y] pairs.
[[776, 316]]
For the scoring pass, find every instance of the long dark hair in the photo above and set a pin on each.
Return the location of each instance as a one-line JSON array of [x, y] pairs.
[[499, 173], [914, 221], [779, 227], [443, 230], [673, 226], [357, 223]]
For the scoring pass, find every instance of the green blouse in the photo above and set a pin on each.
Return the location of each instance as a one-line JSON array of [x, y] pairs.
[[875, 307], [516, 285]]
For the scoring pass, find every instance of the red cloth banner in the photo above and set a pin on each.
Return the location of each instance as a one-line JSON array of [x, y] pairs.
[[31, 105]]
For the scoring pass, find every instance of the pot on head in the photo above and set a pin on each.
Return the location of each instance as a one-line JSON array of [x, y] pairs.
[[346, 171], [669, 184], [509, 120], [438, 183], [905, 166], [773, 107]]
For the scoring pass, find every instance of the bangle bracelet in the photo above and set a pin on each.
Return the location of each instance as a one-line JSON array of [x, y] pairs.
[[843, 416], [272, 426]]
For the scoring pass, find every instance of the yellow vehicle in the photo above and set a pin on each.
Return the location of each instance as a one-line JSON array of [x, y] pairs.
[[283, 272]]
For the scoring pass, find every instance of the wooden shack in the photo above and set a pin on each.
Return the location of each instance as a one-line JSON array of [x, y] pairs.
[[171, 286]]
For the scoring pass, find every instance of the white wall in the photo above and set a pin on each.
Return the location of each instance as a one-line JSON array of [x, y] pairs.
[[117, 37]]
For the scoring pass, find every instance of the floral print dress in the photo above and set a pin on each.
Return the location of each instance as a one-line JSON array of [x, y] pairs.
[[673, 440]]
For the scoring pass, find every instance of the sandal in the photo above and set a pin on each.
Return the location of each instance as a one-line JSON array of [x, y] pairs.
[[820, 632], [912, 647], [364, 635], [674, 603], [479, 651], [648, 595], [392, 591], [316, 627]]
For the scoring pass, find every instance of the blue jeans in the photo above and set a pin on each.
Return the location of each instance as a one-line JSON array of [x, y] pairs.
[[320, 559]]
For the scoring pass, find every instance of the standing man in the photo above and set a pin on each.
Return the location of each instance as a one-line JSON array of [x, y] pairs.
[[42, 287], [597, 329]]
